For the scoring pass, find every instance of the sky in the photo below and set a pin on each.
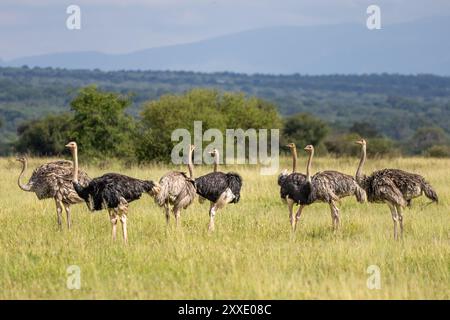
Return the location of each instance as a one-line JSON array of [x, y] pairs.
[[32, 27]]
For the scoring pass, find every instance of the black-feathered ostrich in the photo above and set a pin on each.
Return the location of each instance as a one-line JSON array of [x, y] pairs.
[[394, 187], [293, 188], [177, 189], [111, 191], [54, 180], [219, 188], [330, 186]]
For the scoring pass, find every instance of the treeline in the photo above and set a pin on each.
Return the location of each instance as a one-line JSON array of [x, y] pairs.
[[397, 106], [98, 120]]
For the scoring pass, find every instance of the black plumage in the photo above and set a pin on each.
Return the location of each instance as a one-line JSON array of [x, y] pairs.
[[111, 191], [107, 191], [294, 186], [212, 185], [219, 188]]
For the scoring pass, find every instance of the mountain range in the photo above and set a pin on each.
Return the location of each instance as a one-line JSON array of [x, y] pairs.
[[414, 47]]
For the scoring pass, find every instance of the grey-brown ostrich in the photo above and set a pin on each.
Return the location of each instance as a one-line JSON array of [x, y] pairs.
[[329, 187], [54, 180], [219, 188], [293, 188], [111, 191], [394, 187], [177, 190]]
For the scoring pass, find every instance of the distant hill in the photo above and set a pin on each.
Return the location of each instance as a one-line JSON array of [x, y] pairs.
[[415, 47]]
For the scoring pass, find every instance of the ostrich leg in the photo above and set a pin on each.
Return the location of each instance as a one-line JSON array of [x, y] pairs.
[[297, 216], [290, 203], [394, 219], [167, 211], [335, 215], [123, 220], [69, 222], [59, 209], [123, 210], [400, 219], [176, 213], [212, 213], [113, 218]]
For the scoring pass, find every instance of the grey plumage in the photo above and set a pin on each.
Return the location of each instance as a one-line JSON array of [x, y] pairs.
[[325, 186], [177, 190], [54, 180], [394, 187]]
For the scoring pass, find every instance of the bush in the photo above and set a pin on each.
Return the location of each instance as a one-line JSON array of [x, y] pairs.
[[345, 145], [304, 129], [220, 110], [440, 151]]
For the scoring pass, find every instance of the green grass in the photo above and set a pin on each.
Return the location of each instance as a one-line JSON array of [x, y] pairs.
[[251, 255]]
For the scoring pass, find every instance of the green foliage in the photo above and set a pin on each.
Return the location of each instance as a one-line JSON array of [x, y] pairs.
[[344, 144], [364, 129], [214, 108], [46, 136], [304, 129], [426, 137], [397, 105], [101, 126], [438, 151]]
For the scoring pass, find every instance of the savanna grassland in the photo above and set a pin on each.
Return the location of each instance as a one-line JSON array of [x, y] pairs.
[[252, 254]]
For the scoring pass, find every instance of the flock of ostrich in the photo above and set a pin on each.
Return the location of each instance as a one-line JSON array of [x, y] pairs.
[[67, 185]]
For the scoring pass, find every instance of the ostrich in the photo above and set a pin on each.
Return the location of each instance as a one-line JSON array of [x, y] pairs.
[[330, 187], [177, 189], [394, 187], [111, 191], [219, 188], [293, 188], [54, 180]]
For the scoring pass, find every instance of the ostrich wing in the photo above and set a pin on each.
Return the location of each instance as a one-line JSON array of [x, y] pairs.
[[177, 188], [381, 188]]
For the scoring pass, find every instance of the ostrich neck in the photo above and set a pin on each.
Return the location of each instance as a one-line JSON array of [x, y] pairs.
[[308, 167], [24, 187], [75, 165], [216, 161], [294, 159], [190, 166], [361, 164]]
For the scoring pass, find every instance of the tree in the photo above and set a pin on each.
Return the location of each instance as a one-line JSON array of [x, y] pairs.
[[46, 136], [101, 126], [220, 110], [426, 137], [304, 129], [364, 129]]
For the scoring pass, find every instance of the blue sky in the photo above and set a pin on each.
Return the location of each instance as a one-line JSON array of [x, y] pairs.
[[30, 27]]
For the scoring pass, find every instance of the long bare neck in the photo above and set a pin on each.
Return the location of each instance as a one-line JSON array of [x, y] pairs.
[[361, 163], [24, 187], [75, 165], [190, 165], [294, 159], [216, 161], [308, 166]]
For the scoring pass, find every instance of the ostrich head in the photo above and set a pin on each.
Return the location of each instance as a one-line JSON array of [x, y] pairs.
[[21, 159], [71, 145], [291, 145], [309, 148], [361, 142]]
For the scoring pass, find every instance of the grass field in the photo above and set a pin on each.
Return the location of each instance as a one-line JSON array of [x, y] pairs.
[[252, 254]]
